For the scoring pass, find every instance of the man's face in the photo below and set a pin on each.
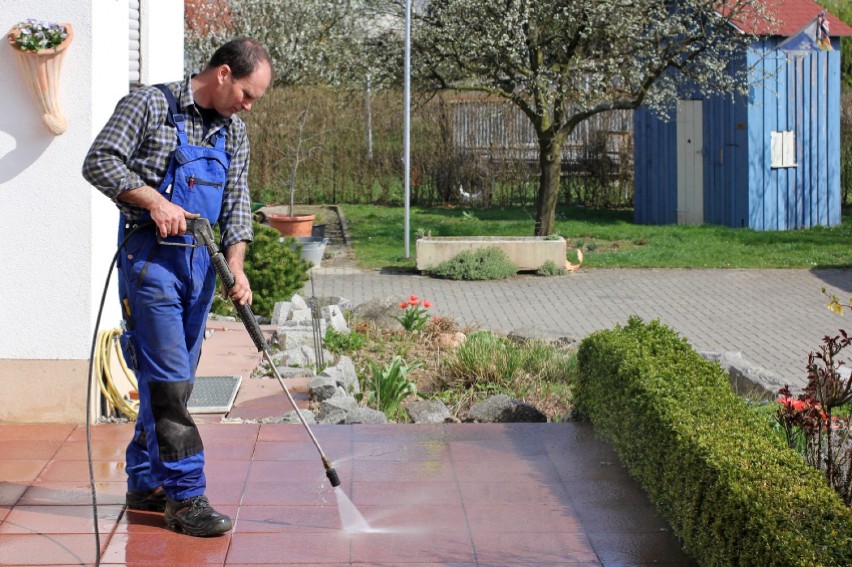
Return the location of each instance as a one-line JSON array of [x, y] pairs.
[[234, 95]]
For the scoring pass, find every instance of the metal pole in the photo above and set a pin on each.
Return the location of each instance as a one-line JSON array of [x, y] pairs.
[[407, 127]]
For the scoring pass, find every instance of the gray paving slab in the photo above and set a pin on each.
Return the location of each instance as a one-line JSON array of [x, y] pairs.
[[773, 317]]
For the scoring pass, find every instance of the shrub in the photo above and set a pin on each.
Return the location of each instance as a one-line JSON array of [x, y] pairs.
[[342, 343], [732, 491], [550, 268], [274, 270], [480, 264], [387, 386]]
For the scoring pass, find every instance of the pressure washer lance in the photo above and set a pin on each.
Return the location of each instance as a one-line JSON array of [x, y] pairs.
[[203, 233]]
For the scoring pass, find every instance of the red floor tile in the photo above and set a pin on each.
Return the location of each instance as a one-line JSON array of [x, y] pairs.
[[511, 493], [29, 449], [661, 548], [21, 470], [35, 432], [522, 518], [120, 433], [72, 493], [59, 520], [522, 549], [415, 518], [424, 547], [4, 511], [530, 469], [166, 548], [425, 472], [226, 471], [11, 492], [289, 548], [404, 494], [53, 549], [78, 471], [246, 432], [101, 451], [300, 450], [292, 493], [287, 471], [225, 493], [216, 449], [277, 519], [417, 450]]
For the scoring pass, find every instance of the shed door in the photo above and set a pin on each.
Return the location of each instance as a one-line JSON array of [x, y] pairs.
[[690, 162]]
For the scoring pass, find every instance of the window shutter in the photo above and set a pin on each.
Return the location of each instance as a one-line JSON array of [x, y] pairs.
[[135, 50]]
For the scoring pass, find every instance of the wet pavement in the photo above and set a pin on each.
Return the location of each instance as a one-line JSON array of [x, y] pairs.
[[463, 495]]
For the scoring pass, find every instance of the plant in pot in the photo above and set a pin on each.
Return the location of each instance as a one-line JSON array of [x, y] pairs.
[[40, 51], [292, 224]]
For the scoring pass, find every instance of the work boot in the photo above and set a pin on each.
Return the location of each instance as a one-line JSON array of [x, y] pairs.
[[150, 500], [195, 516]]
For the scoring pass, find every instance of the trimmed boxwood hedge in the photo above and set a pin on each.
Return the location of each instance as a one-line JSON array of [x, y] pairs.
[[732, 492]]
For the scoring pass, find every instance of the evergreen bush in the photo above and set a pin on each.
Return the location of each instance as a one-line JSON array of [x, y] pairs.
[[274, 269], [730, 488], [489, 263]]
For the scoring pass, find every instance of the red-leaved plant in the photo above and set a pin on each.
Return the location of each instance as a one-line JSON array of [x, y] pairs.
[[818, 422]]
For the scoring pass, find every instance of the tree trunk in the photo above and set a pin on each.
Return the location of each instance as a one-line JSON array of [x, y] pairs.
[[550, 163]]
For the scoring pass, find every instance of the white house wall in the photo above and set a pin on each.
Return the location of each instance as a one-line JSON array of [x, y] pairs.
[[59, 233]]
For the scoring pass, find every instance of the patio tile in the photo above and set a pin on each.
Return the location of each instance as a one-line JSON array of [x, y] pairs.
[[51, 549], [216, 449], [11, 492], [35, 432], [166, 548], [661, 548], [521, 549], [296, 432], [226, 471], [293, 493], [59, 520], [72, 493], [4, 511], [225, 492], [101, 451], [403, 548], [21, 470], [235, 431], [511, 493], [404, 493], [529, 469], [120, 433], [529, 519], [78, 471], [287, 471], [288, 548], [278, 519], [637, 518], [29, 449], [595, 493], [426, 472], [300, 450], [416, 518], [403, 450]]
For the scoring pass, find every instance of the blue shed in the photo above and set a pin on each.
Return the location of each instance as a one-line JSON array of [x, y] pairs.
[[770, 161]]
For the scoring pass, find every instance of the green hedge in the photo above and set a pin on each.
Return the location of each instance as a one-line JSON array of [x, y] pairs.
[[731, 491]]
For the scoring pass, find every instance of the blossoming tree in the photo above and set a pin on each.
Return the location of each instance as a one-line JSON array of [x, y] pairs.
[[563, 61]]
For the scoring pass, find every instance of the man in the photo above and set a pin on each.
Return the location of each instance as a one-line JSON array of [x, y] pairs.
[[169, 153]]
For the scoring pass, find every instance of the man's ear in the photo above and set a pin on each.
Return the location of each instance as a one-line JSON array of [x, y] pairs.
[[223, 72]]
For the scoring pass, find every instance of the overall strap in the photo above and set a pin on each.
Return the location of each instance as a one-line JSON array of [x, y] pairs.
[[174, 118]]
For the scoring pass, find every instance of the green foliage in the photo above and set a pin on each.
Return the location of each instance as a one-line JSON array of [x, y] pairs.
[[618, 242], [485, 358], [388, 386], [342, 343], [488, 263], [732, 491], [275, 272], [550, 268]]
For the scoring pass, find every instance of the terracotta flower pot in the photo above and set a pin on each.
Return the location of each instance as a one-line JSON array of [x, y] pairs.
[[41, 71], [292, 225]]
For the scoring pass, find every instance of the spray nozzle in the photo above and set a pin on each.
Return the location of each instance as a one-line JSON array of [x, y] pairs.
[[332, 477]]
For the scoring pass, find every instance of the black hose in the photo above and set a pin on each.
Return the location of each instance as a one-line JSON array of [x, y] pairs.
[[135, 229]]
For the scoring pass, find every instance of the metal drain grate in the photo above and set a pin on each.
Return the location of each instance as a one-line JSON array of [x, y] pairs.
[[214, 394]]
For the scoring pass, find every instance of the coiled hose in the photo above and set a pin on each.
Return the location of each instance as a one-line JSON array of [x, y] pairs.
[[108, 341]]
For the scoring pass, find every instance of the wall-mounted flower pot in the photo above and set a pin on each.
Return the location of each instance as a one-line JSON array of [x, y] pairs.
[[41, 71], [292, 225]]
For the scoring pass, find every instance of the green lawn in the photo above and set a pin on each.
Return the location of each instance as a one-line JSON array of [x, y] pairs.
[[607, 238]]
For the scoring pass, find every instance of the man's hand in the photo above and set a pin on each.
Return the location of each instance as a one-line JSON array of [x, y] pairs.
[[241, 292], [169, 218]]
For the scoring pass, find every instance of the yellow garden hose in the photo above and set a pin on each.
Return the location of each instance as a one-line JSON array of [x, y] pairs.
[[106, 341]]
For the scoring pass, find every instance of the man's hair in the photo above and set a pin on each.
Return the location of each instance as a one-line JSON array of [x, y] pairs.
[[242, 55]]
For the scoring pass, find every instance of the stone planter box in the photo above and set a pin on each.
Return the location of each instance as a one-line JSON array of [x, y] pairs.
[[527, 252]]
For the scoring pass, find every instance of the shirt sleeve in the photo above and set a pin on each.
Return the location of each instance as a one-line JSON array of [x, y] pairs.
[[106, 165], [236, 218]]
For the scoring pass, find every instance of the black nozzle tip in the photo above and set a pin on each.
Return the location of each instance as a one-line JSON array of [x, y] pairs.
[[332, 477]]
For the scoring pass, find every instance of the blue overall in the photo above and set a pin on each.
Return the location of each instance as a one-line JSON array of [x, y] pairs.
[[166, 293]]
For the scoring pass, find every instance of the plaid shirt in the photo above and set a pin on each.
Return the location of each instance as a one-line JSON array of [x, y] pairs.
[[136, 145]]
